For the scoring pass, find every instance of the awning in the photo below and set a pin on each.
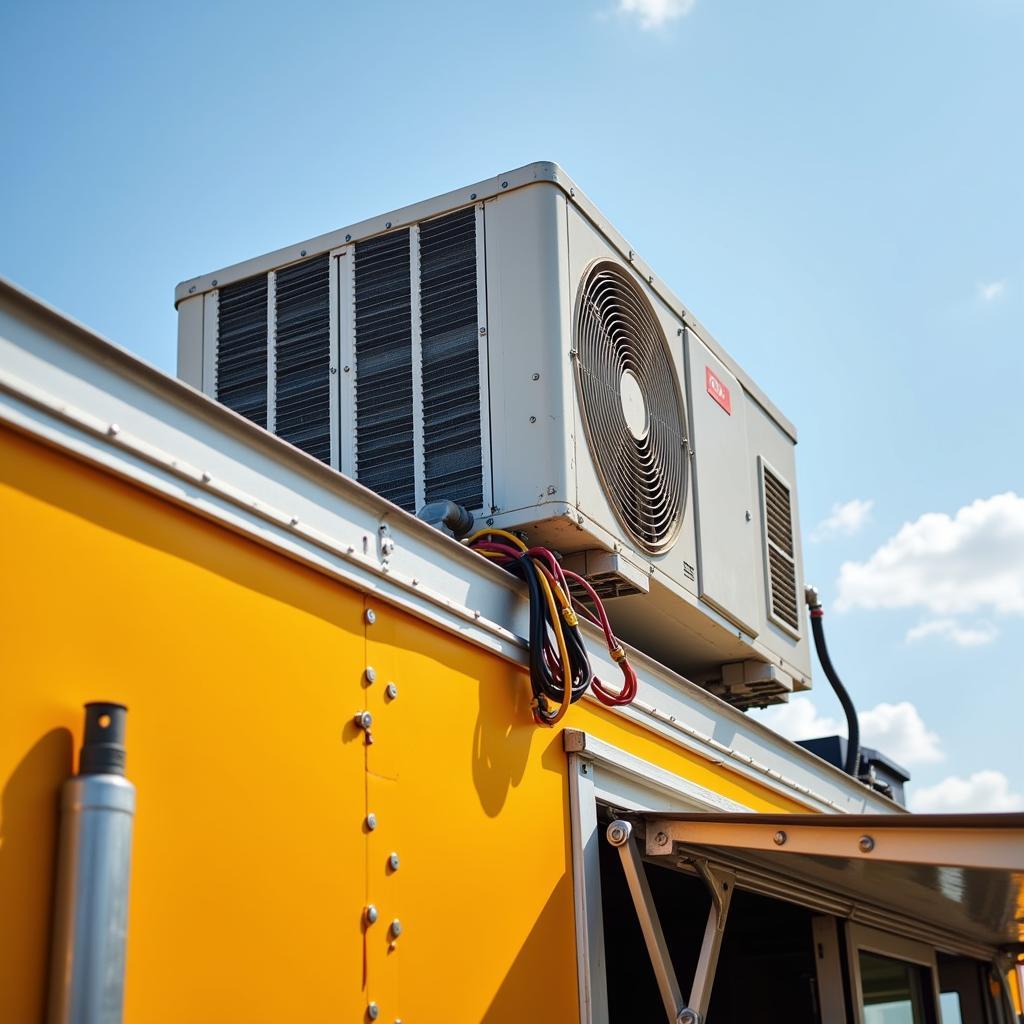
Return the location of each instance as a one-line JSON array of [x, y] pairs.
[[955, 882], [961, 874]]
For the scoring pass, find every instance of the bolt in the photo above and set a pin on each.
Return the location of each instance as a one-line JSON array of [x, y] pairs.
[[579, 519], [533, 419], [472, 195], [371, 914], [688, 1017], [372, 1011], [396, 928], [661, 839], [371, 821], [363, 719], [371, 674], [536, 376], [207, 478], [504, 184], [348, 238], [552, 489], [113, 430], [490, 522], [347, 369], [483, 332], [632, 255], [387, 224], [371, 616], [866, 844], [391, 691], [780, 837], [393, 861], [303, 253], [334, 369], [214, 282], [618, 832]]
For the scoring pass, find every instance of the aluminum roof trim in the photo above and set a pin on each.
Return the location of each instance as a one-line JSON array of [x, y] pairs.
[[530, 174]]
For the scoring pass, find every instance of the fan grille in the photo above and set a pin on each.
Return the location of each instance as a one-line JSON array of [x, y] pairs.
[[631, 404]]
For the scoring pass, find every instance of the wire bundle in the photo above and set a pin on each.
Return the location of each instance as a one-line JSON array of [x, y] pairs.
[[560, 671]]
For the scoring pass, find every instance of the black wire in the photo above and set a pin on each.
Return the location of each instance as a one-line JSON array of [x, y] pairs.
[[852, 765]]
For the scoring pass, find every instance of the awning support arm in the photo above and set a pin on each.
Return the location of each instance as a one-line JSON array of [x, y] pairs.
[[620, 835]]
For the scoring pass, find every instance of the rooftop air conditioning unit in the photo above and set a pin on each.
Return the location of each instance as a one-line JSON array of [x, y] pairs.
[[502, 346]]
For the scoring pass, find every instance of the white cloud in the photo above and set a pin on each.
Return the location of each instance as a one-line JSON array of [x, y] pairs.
[[982, 791], [897, 730], [845, 519], [963, 636], [947, 564], [991, 291], [655, 13]]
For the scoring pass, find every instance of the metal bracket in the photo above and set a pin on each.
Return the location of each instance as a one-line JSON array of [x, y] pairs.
[[720, 885]]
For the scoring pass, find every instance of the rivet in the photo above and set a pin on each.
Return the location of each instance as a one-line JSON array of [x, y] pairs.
[[866, 844], [348, 238], [393, 862], [303, 253], [483, 332], [396, 928], [415, 581], [347, 369], [207, 478], [192, 289], [650, 279], [371, 914], [552, 489], [536, 376], [661, 839], [391, 691], [779, 839], [334, 369], [387, 224], [490, 522], [113, 429], [371, 616], [372, 1011], [533, 419], [214, 282], [294, 521], [748, 515], [572, 191], [371, 674], [371, 821], [472, 195], [504, 184]]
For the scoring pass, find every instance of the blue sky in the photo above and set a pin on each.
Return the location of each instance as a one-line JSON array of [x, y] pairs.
[[835, 190]]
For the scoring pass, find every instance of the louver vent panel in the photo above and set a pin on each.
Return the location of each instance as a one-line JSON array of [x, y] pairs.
[[450, 355], [242, 348], [784, 604], [302, 357], [383, 347]]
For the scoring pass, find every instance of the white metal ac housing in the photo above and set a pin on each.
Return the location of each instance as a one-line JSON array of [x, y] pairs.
[[504, 347]]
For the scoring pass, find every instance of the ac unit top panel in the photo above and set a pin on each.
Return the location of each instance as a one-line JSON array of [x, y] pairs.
[[530, 174]]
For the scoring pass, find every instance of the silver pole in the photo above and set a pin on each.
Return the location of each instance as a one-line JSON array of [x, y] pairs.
[[94, 860]]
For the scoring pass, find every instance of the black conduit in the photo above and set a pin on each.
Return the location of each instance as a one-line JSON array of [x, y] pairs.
[[852, 765]]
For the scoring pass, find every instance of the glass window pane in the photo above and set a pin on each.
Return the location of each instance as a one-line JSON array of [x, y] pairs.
[[949, 1003], [892, 990]]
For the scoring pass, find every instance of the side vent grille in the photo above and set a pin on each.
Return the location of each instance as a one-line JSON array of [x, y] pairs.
[[385, 459], [780, 563], [242, 348], [302, 357], [451, 368]]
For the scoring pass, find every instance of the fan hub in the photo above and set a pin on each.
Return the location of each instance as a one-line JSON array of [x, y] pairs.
[[634, 408]]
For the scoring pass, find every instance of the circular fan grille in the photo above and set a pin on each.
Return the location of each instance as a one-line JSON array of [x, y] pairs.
[[632, 410]]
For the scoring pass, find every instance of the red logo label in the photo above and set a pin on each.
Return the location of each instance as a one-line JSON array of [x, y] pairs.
[[717, 390]]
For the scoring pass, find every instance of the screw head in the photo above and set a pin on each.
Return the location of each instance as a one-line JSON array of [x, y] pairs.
[[533, 419], [303, 252], [504, 184], [472, 195], [661, 839], [490, 522], [866, 844], [396, 928], [393, 861], [391, 691], [348, 238], [536, 376], [371, 821], [214, 282], [363, 719], [371, 674], [387, 224], [372, 1011], [334, 369], [371, 616], [371, 914], [780, 837]]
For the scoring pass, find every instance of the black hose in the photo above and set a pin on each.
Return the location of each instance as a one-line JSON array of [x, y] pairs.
[[852, 765]]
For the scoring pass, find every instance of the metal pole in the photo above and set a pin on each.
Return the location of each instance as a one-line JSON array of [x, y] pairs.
[[91, 913]]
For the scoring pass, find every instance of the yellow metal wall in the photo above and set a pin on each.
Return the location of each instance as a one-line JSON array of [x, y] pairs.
[[252, 860]]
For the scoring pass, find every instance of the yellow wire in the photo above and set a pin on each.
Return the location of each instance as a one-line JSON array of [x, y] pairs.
[[496, 533], [563, 651]]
